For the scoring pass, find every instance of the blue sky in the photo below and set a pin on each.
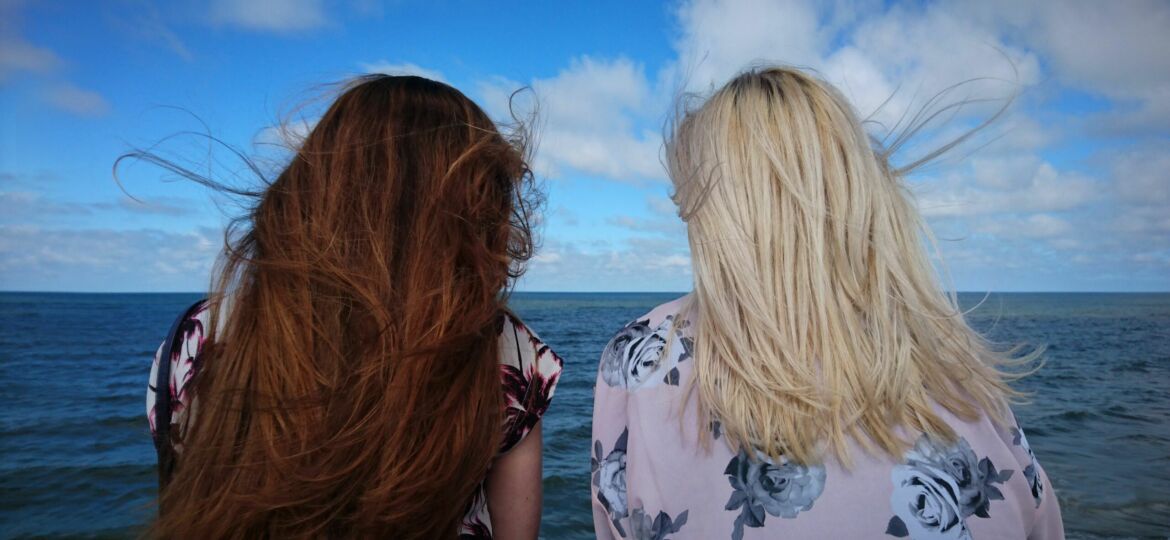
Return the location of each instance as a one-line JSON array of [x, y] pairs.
[[1069, 192]]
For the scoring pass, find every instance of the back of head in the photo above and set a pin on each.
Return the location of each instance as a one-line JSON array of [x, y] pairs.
[[819, 317], [352, 388]]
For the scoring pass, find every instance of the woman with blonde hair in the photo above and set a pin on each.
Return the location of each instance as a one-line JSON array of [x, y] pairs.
[[817, 382]]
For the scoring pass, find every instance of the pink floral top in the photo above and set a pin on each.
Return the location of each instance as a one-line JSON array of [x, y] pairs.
[[653, 480], [529, 371]]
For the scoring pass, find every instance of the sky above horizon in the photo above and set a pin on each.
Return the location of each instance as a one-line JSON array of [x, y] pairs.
[[1068, 191]]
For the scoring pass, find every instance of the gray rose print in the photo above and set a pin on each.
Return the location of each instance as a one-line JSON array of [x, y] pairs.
[[938, 487], [634, 357], [642, 527], [975, 477], [925, 506], [609, 476], [1031, 472], [761, 486]]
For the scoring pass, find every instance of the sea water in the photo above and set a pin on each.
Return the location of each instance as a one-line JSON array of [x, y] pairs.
[[76, 457]]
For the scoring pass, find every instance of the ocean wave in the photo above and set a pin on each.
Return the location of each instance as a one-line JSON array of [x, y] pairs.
[[1124, 413], [1069, 417]]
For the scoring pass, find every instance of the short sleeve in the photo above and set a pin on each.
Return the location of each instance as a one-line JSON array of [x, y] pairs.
[[644, 356], [1046, 519], [1048, 525], [151, 395], [184, 363], [529, 372]]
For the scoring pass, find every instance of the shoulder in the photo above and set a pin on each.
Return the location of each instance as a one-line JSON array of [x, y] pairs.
[[646, 352], [529, 373], [522, 348], [200, 316], [666, 312], [190, 334]]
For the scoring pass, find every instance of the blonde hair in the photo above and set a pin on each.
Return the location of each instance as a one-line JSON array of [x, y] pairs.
[[817, 314]]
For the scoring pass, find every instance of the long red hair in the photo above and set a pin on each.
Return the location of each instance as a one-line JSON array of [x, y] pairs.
[[350, 387]]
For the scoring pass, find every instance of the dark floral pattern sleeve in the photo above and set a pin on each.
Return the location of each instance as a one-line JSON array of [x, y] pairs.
[[184, 364], [529, 372], [476, 519]]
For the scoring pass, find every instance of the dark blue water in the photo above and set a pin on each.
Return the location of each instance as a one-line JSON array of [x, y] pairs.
[[76, 459]]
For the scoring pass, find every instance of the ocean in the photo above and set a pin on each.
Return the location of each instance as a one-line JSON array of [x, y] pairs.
[[76, 458]]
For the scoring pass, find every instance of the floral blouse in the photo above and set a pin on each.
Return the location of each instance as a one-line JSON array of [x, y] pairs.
[[529, 372], [652, 479]]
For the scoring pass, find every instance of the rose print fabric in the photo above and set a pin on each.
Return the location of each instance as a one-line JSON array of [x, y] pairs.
[[939, 487], [763, 487], [635, 357], [652, 478], [529, 372]]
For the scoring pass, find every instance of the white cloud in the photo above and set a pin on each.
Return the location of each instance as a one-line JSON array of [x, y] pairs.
[[663, 220], [1033, 226], [1095, 234], [603, 116], [149, 24], [33, 207], [1150, 224], [910, 53], [270, 15], [17, 55], [564, 215], [640, 264], [34, 258], [1112, 49], [720, 38], [1019, 200], [1029, 212], [669, 227], [26, 206], [927, 49], [1142, 175], [1142, 194], [547, 258], [160, 206], [589, 116], [1042, 189], [71, 99], [1022, 207], [388, 68], [1119, 48]]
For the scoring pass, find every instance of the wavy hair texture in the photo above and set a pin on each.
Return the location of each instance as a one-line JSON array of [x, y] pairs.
[[819, 319], [350, 386]]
